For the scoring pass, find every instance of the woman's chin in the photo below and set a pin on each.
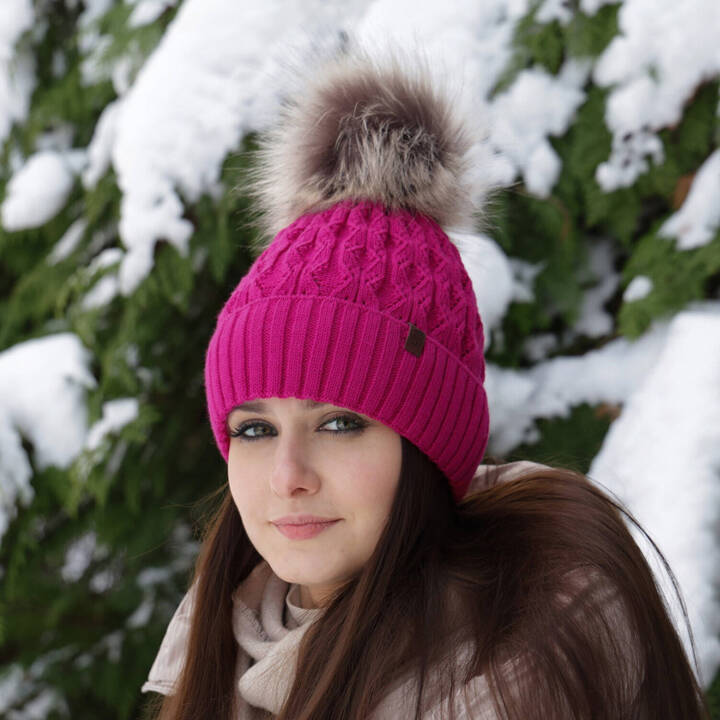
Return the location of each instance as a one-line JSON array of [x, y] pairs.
[[300, 574]]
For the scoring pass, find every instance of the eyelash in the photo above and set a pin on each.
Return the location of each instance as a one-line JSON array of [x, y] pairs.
[[237, 432]]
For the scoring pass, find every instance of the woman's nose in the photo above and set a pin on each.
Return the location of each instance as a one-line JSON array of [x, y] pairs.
[[292, 472]]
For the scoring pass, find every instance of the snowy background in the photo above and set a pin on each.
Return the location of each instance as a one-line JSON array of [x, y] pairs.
[[181, 107]]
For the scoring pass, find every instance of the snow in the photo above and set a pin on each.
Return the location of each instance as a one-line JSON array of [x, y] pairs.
[[104, 580], [538, 347], [100, 147], [471, 41], [17, 72], [112, 643], [107, 287], [638, 288], [517, 398], [68, 242], [590, 7], [497, 280], [102, 292], [661, 457], [92, 43], [524, 274], [550, 10], [38, 191], [698, 220], [23, 694], [115, 415], [192, 101], [121, 74], [42, 398], [652, 75], [40, 706], [594, 320], [20, 687], [142, 614], [147, 11], [93, 11], [16, 16], [491, 275], [15, 473], [536, 105], [78, 556], [105, 259]]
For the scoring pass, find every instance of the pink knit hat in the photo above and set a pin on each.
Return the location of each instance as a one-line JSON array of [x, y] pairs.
[[361, 299]]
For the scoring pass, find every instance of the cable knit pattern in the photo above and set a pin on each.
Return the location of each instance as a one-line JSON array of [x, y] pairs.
[[326, 311], [400, 264]]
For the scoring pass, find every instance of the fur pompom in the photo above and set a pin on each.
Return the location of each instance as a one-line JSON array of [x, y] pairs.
[[364, 129]]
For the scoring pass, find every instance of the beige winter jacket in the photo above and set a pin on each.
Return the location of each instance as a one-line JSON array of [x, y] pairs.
[[268, 624]]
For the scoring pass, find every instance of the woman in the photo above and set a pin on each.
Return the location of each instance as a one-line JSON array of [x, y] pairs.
[[364, 564]]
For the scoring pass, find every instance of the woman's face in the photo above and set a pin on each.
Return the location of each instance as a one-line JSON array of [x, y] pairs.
[[290, 458]]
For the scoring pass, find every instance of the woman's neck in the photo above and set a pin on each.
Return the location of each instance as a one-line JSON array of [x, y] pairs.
[[314, 597]]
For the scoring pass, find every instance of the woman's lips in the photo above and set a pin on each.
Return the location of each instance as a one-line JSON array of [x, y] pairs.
[[304, 531]]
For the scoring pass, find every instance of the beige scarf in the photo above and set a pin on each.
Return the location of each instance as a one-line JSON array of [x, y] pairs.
[[268, 624], [270, 637]]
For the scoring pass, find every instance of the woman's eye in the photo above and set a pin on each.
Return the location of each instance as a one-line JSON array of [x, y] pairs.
[[256, 431], [343, 420], [241, 431]]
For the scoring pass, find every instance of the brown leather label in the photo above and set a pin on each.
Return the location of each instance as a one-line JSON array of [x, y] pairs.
[[415, 341]]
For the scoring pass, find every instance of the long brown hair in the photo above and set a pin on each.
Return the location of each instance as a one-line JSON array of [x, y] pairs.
[[538, 576]]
